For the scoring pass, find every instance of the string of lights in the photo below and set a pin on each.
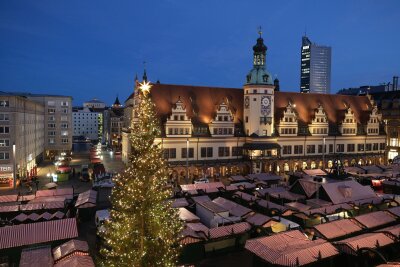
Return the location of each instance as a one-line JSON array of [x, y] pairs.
[[143, 229]]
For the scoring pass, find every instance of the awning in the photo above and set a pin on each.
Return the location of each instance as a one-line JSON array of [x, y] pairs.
[[261, 146]]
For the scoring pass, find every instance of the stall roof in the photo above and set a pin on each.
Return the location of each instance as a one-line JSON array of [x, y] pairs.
[[244, 185], [290, 248], [205, 187], [10, 208], [394, 230], [36, 257], [76, 261], [347, 191], [187, 216], [271, 205], [8, 198], [227, 230], [315, 172], [266, 191], [179, 202], [337, 229], [375, 219], [327, 210], [264, 177], [297, 206], [317, 202], [259, 219], [246, 197], [369, 240], [287, 195], [354, 170], [372, 169], [21, 235], [237, 178], [43, 205], [395, 211], [86, 199], [68, 248], [213, 207], [201, 199], [233, 207]]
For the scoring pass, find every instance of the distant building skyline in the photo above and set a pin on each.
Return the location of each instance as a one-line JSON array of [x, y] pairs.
[[315, 67], [58, 47]]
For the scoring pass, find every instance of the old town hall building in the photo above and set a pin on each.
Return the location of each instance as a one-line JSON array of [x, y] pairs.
[[211, 131]]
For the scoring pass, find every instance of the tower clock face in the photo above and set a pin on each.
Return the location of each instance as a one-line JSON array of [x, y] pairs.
[[266, 105], [246, 102], [265, 101]]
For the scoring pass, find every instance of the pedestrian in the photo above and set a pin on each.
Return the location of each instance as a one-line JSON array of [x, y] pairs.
[[73, 172]]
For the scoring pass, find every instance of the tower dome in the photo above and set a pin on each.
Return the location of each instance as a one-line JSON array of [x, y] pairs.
[[259, 74]]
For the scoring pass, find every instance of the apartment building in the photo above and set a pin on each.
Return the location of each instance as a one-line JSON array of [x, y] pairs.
[[22, 136]]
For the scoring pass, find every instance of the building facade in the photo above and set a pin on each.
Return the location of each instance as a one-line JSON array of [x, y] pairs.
[[387, 99], [209, 131], [315, 68], [87, 123], [22, 136], [116, 122], [58, 127]]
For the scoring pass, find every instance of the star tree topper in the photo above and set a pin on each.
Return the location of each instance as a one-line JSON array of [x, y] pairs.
[[145, 87]]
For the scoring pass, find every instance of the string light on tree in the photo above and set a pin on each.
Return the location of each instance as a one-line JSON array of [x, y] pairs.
[[143, 229]]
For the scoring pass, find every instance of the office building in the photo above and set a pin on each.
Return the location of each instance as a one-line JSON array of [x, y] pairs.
[[315, 69], [87, 123], [57, 123]]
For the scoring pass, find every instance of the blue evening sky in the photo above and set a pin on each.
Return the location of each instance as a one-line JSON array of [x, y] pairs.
[[93, 48]]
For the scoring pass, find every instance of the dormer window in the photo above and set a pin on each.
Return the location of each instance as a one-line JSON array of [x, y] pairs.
[[178, 123], [349, 124], [223, 121]]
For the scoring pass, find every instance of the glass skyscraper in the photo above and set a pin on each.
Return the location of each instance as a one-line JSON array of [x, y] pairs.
[[315, 76]]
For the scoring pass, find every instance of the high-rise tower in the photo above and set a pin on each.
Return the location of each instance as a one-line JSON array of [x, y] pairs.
[[259, 95], [315, 75]]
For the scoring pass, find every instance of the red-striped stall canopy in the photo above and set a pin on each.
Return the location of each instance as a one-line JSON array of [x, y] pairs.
[[44, 232]]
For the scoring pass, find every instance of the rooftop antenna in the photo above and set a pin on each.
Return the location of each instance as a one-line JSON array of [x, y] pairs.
[[259, 31], [305, 31]]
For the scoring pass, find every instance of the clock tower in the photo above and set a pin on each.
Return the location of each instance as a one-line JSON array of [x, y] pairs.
[[259, 95]]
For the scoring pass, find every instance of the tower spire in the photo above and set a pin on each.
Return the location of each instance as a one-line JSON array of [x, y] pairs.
[[259, 31], [144, 72]]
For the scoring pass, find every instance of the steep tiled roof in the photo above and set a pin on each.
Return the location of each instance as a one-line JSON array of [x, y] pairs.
[[202, 102]]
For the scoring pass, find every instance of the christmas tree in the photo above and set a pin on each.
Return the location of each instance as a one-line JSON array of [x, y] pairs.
[[143, 229]]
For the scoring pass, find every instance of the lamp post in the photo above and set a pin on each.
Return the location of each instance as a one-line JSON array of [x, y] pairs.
[[14, 168], [187, 160]]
